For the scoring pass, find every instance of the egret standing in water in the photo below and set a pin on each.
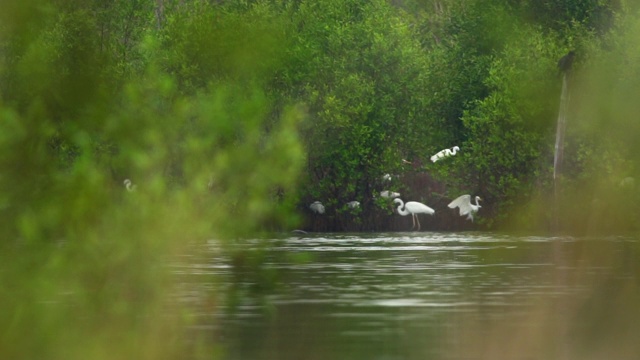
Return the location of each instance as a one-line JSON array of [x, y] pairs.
[[414, 208], [466, 207], [130, 187], [317, 207], [445, 153]]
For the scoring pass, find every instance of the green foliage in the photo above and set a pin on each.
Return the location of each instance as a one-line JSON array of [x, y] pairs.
[[84, 263], [507, 131], [602, 162], [595, 14], [362, 74], [213, 110], [208, 43]]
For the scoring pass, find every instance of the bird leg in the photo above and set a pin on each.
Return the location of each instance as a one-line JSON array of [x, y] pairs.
[[413, 221], [418, 221]]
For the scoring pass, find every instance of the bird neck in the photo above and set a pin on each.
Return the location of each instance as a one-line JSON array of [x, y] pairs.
[[402, 211]]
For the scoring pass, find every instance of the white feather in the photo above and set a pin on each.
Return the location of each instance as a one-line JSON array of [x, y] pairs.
[[445, 153], [317, 207], [466, 207], [389, 194], [353, 204], [414, 208]]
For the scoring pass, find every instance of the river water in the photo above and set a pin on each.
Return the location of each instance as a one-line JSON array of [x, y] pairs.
[[472, 295]]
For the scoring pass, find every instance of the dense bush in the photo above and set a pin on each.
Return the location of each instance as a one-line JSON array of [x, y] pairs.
[[232, 116], [78, 252], [360, 71]]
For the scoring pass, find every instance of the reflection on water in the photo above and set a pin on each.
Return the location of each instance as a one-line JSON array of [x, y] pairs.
[[436, 296]]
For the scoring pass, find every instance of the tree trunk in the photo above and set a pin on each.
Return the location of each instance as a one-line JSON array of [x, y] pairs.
[[159, 13], [559, 148]]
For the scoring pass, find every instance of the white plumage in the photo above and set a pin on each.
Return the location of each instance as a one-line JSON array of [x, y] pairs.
[[414, 208], [389, 194], [317, 207], [466, 207], [130, 187], [353, 204], [445, 153]]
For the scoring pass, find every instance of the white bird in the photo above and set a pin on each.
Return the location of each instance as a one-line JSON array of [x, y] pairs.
[[466, 207], [353, 204], [317, 207], [414, 208], [445, 153], [389, 194], [130, 187]]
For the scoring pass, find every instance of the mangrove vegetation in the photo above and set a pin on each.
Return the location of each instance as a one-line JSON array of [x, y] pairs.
[[232, 117]]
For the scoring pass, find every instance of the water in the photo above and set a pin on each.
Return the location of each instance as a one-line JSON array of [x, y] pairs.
[[428, 296]]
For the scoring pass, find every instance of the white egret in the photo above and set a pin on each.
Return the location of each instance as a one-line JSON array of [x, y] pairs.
[[414, 208], [466, 207], [129, 185], [353, 204], [317, 207], [389, 194], [445, 153]]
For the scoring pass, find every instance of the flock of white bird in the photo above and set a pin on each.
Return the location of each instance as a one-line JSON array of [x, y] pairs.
[[413, 208]]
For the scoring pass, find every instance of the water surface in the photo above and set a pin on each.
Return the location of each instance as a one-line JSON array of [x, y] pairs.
[[430, 296]]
